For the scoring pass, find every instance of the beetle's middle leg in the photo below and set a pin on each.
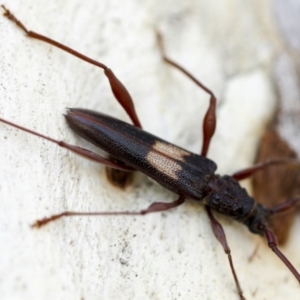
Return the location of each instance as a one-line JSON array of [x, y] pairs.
[[154, 207]]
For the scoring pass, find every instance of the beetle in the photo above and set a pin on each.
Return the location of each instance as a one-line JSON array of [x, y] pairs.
[[189, 175]]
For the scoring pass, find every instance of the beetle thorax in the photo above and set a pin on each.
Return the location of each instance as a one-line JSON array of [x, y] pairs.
[[225, 195]]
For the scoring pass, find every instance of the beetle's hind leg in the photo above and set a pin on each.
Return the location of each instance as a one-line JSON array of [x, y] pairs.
[[75, 149], [209, 122], [119, 90], [154, 207]]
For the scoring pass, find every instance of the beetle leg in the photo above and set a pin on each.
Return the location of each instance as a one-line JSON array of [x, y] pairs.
[[285, 206], [75, 149], [245, 173], [118, 89], [154, 207], [221, 237], [209, 125], [209, 122], [120, 92]]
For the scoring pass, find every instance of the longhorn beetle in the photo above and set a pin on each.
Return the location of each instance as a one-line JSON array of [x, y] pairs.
[[189, 175]]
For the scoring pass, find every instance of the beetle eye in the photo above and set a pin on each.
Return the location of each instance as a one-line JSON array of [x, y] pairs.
[[255, 225]]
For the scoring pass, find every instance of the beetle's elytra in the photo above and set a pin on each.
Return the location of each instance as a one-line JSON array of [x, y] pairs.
[[190, 176]]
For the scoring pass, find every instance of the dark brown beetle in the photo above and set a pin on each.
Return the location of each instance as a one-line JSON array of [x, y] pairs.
[[189, 175]]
